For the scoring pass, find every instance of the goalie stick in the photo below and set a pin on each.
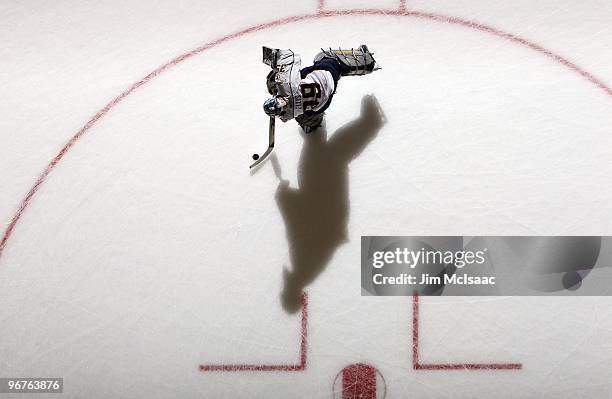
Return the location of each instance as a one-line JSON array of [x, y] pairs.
[[270, 57], [256, 157]]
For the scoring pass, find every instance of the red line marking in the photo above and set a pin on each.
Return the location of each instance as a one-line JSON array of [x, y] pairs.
[[304, 332], [447, 366], [471, 366], [25, 202], [321, 5], [301, 366], [415, 331], [402, 6]]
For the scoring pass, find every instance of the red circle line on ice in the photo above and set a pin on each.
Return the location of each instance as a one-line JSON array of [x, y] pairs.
[[319, 14]]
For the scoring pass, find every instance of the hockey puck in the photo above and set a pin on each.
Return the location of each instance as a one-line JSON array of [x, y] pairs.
[[255, 157]]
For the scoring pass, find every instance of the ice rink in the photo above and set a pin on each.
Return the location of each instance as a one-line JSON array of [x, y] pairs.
[[140, 258]]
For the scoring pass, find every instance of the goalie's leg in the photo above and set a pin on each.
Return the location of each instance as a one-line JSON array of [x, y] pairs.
[[359, 61], [309, 122]]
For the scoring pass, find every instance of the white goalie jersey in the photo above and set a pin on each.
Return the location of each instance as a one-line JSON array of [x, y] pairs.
[[317, 87], [308, 94]]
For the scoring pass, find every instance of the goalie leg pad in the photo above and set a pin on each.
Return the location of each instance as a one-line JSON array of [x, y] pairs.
[[359, 61], [310, 122]]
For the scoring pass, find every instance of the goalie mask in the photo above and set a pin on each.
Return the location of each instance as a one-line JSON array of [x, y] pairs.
[[274, 106]]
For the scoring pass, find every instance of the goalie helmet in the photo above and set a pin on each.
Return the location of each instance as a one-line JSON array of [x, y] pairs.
[[274, 106], [271, 83]]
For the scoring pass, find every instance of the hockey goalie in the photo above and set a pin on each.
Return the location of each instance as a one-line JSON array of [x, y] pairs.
[[304, 94]]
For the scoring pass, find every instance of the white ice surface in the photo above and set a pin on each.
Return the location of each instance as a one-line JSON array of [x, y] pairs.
[[150, 249]]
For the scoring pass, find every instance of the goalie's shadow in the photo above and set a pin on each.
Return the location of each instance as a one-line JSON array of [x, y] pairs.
[[316, 213]]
